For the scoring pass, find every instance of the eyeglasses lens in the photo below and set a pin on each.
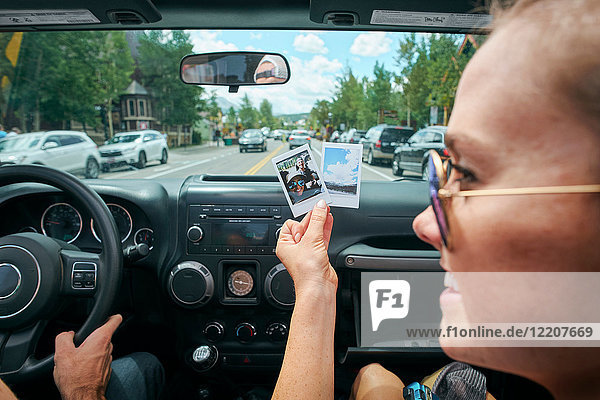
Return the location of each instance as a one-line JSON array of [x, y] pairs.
[[434, 187]]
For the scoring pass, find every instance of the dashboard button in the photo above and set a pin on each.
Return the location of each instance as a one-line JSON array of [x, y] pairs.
[[251, 250], [218, 210], [229, 210], [252, 210], [227, 250], [263, 211], [276, 210], [240, 210], [239, 250], [215, 249], [206, 209]]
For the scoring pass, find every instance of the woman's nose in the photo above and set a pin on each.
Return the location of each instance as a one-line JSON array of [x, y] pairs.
[[426, 227]]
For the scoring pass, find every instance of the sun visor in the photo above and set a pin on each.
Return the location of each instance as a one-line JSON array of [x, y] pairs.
[[27, 14], [450, 16]]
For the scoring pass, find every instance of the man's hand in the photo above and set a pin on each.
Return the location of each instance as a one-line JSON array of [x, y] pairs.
[[302, 248], [82, 373]]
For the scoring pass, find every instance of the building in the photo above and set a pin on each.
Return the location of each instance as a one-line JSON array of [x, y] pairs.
[[136, 109]]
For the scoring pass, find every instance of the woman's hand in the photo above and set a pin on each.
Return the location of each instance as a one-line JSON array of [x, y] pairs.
[[302, 248]]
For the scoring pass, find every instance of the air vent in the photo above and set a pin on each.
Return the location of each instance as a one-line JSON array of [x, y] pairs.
[[125, 17]]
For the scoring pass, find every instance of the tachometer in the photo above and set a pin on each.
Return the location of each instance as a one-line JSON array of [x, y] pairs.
[[61, 221], [122, 219], [144, 235]]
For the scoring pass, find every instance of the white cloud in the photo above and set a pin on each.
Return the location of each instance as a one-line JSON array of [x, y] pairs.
[[310, 43], [208, 41], [371, 44], [343, 173], [255, 36]]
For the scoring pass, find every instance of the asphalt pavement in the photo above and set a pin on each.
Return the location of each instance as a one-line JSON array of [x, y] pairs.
[[210, 159]]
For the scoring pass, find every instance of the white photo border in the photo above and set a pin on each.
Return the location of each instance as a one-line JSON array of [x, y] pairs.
[[344, 200]]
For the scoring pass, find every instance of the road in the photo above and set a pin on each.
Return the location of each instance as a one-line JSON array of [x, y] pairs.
[[209, 159]]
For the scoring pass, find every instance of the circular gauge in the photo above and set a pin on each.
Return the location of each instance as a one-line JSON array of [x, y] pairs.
[[144, 235], [240, 283], [61, 221], [122, 219], [28, 229]]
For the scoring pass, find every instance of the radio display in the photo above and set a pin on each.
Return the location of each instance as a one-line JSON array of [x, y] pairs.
[[240, 234]]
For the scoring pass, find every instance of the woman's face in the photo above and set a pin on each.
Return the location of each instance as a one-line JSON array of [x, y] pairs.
[[507, 133]]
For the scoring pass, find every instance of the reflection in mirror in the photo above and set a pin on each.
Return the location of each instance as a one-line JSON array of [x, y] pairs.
[[235, 69]]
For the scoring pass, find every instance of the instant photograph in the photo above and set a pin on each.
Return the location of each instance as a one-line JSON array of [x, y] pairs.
[[301, 180], [341, 166]]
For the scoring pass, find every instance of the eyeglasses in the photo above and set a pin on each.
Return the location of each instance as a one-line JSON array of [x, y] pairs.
[[292, 185], [265, 74], [440, 196]]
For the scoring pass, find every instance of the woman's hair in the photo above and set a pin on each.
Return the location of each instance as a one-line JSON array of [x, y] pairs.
[[566, 34]]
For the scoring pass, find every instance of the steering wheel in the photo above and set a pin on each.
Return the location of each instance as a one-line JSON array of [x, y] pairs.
[[36, 273]]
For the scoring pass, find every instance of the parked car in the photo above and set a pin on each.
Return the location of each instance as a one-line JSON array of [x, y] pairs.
[[69, 151], [381, 140], [413, 155], [298, 137], [335, 136], [356, 136], [252, 139], [134, 148], [345, 137]]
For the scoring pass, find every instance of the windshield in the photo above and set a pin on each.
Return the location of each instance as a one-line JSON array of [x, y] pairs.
[[250, 134], [124, 139], [102, 83], [19, 144]]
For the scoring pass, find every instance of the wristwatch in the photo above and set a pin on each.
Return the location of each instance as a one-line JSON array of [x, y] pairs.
[[416, 391]]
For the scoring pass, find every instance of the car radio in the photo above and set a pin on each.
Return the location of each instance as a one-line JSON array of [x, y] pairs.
[[234, 230]]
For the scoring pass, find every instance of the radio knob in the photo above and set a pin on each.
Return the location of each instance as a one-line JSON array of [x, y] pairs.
[[195, 234], [277, 233], [245, 332]]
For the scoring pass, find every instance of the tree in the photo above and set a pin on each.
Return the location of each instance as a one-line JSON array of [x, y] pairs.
[[159, 53], [231, 119], [347, 100], [266, 113], [248, 114], [115, 66]]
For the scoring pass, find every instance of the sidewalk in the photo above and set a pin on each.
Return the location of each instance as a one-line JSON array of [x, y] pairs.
[[186, 149]]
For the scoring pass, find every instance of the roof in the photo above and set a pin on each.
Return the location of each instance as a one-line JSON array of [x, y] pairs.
[[135, 88]]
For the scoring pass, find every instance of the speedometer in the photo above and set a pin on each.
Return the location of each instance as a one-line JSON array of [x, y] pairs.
[[61, 221], [122, 219]]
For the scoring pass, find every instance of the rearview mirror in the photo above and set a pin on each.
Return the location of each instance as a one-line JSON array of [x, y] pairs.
[[235, 69]]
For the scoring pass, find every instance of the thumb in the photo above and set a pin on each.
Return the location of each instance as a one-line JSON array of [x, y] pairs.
[[64, 342], [317, 221]]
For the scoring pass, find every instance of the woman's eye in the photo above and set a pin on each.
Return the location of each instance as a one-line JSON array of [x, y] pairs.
[[462, 175]]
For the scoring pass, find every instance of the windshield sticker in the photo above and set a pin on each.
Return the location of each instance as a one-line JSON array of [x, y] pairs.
[[439, 20], [47, 17]]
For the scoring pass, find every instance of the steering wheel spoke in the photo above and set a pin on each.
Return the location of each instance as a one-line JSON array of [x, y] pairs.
[[18, 349], [81, 269]]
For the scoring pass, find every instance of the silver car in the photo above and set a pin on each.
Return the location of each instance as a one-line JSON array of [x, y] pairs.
[[69, 151], [298, 138]]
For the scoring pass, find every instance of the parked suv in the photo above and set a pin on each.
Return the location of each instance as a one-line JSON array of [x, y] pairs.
[[69, 151], [413, 155], [381, 140], [134, 148]]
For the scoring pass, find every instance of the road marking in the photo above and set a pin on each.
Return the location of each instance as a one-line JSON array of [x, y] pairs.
[[193, 164], [262, 162], [367, 167]]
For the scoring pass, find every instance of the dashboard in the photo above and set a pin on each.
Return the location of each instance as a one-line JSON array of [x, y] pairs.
[[211, 277]]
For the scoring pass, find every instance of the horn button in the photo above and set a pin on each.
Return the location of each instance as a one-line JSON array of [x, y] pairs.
[[30, 271]]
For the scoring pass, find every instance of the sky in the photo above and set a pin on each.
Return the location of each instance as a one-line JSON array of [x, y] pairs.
[[340, 166], [316, 59]]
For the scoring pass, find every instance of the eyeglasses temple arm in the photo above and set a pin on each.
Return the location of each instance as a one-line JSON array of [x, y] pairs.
[[525, 190]]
